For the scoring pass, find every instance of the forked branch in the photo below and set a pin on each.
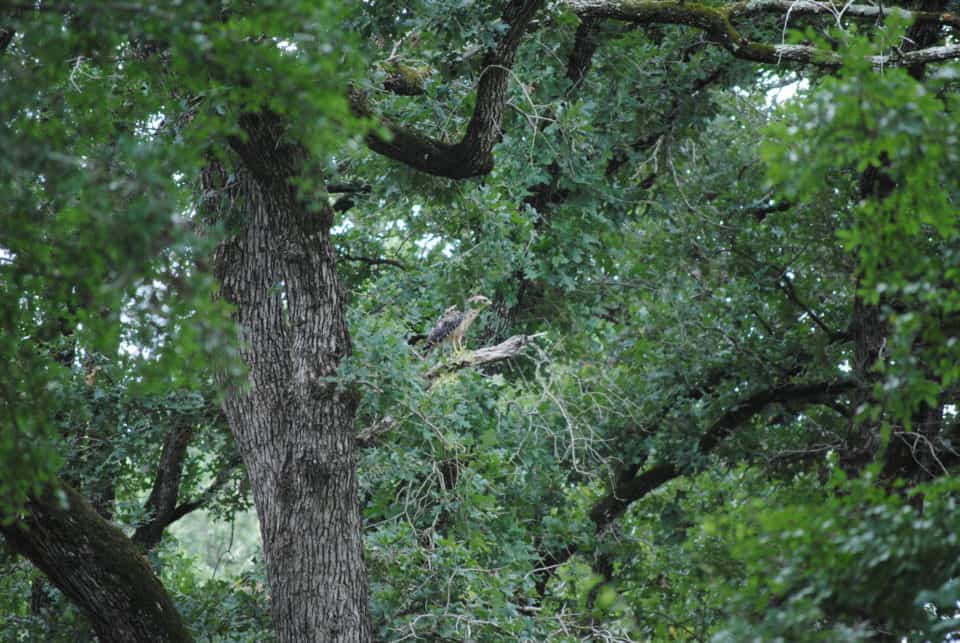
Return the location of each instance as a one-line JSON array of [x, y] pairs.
[[473, 155]]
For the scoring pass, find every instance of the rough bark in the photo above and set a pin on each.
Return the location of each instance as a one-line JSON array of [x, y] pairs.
[[96, 567], [292, 424]]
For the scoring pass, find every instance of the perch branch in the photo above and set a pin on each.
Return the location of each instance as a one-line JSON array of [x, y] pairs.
[[482, 356]]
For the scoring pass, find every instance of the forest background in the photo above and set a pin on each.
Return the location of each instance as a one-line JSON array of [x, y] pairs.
[[721, 243]]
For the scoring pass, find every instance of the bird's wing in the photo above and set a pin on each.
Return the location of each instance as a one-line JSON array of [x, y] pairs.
[[449, 320]]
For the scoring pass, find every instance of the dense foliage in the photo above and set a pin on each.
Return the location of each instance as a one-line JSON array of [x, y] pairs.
[[735, 418]]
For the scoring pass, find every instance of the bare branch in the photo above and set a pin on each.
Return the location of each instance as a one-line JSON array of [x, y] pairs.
[[368, 436], [510, 347]]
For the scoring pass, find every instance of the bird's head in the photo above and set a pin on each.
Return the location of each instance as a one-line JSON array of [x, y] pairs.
[[478, 301]]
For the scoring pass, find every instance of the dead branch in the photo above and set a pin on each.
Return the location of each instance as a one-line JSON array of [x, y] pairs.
[[368, 436], [504, 350]]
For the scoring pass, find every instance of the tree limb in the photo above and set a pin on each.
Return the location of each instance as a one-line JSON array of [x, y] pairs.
[[166, 486], [222, 478], [473, 155], [374, 261], [761, 212], [96, 567], [811, 8], [511, 347], [716, 22], [148, 534], [161, 506], [629, 487]]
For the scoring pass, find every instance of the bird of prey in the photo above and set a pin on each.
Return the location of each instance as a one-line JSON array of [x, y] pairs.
[[453, 324]]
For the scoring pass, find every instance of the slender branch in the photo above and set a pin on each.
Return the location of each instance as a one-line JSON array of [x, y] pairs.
[[786, 285], [629, 487], [375, 261]]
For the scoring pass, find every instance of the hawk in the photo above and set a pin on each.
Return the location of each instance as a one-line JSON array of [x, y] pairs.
[[453, 324]]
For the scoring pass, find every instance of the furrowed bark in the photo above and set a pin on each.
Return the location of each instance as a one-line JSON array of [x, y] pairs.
[[97, 567], [292, 424]]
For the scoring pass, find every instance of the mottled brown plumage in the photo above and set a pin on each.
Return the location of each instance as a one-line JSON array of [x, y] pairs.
[[453, 324]]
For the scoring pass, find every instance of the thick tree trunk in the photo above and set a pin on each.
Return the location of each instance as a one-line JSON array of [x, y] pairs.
[[96, 567], [292, 423]]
